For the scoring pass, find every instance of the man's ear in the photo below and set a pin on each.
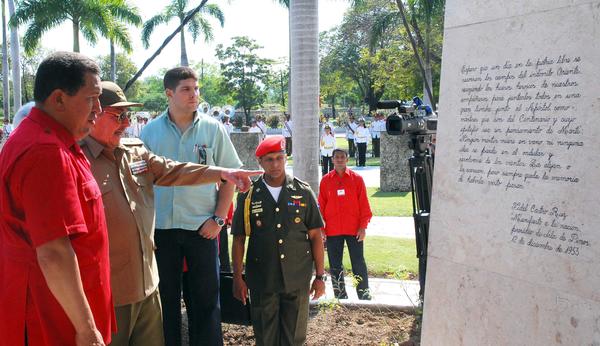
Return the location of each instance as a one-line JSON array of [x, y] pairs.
[[169, 93], [57, 99]]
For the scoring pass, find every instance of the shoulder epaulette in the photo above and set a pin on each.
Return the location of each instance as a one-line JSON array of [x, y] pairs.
[[301, 182]]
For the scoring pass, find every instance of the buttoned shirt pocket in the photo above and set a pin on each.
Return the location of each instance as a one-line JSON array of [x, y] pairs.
[[210, 160], [145, 189], [296, 217], [91, 194]]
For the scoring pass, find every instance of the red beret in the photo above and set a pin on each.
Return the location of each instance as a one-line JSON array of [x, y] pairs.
[[271, 144]]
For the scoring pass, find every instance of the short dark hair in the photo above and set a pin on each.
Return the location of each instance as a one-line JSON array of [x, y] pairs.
[[62, 70], [339, 150], [177, 74]]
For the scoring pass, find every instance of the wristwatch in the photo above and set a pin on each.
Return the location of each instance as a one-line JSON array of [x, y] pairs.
[[321, 277], [218, 220]]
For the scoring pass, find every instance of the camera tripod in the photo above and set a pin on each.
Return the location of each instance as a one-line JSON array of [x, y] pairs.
[[421, 176]]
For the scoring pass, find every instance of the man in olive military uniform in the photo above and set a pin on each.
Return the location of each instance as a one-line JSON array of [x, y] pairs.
[[126, 172], [281, 219]]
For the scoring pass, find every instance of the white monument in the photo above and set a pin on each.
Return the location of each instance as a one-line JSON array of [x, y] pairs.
[[514, 252]]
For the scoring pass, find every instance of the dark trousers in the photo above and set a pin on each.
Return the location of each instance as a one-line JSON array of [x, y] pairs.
[[288, 146], [326, 165], [362, 153], [376, 148], [351, 147], [335, 253], [224, 250], [279, 318], [204, 311]]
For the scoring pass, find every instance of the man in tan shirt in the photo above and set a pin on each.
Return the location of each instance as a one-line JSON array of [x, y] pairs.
[[126, 173]]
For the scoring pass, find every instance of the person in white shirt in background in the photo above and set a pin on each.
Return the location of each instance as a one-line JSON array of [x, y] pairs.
[[327, 146], [361, 138], [287, 134], [228, 126], [260, 122], [254, 127], [377, 127], [351, 126]]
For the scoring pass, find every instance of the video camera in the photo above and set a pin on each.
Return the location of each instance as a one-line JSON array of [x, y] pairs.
[[415, 118]]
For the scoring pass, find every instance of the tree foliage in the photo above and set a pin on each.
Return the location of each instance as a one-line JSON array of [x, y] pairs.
[[369, 54], [245, 74], [199, 24], [88, 17], [125, 69]]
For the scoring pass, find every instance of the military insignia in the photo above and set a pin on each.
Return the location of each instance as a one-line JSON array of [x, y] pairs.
[[297, 220], [296, 197], [258, 223], [258, 210], [138, 167], [258, 189]]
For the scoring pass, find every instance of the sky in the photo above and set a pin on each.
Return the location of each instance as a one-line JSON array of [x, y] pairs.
[[262, 20]]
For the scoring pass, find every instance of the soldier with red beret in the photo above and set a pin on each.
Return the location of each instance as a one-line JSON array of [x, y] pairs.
[[280, 217]]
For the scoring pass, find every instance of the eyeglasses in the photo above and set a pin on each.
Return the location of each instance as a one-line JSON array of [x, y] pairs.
[[115, 112]]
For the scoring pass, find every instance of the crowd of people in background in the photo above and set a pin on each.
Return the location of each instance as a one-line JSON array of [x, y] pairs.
[[137, 213]]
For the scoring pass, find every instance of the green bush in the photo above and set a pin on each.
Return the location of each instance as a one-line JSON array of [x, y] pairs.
[[273, 121]]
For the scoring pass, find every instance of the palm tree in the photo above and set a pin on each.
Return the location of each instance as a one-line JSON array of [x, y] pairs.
[[304, 44], [120, 14], [15, 57], [87, 16], [5, 91], [197, 24]]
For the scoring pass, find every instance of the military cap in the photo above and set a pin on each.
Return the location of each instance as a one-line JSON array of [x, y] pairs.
[[271, 144]]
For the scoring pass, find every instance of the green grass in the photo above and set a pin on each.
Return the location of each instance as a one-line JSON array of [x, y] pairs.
[[389, 203], [386, 257]]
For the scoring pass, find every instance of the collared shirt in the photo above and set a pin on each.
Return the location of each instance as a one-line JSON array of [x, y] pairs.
[[327, 145], [377, 127], [47, 192], [287, 129], [205, 142], [126, 178], [361, 135], [279, 257], [351, 130], [263, 127], [343, 203]]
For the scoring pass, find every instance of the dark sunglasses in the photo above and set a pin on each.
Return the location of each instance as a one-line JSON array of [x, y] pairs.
[[120, 116]]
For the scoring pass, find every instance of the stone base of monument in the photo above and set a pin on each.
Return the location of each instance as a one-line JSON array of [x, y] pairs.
[[394, 172], [245, 144]]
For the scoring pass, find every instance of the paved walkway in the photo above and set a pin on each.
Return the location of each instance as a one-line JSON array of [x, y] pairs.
[[386, 294]]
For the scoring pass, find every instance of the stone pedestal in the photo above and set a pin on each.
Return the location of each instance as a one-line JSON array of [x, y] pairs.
[[394, 174], [245, 144], [514, 249]]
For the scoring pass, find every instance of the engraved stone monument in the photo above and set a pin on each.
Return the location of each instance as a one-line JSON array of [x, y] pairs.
[[514, 253]]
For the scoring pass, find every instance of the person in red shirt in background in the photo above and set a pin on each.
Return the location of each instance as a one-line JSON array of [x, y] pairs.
[[345, 208], [54, 265]]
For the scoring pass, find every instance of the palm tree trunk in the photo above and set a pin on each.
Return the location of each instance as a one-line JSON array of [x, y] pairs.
[[413, 44], [113, 62], [16, 59], [304, 28], [184, 58], [5, 90], [76, 35], [427, 54]]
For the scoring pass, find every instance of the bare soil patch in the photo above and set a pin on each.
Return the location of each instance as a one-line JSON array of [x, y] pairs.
[[334, 324]]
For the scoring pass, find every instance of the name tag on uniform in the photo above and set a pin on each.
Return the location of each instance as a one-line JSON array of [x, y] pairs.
[[139, 167], [341, 192]]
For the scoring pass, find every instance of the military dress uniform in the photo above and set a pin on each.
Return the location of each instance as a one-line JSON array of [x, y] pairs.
[[279, 260], [126, 178]]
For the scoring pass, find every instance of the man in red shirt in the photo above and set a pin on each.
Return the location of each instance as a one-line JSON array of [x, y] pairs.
[[346, 211], [54, 264]]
